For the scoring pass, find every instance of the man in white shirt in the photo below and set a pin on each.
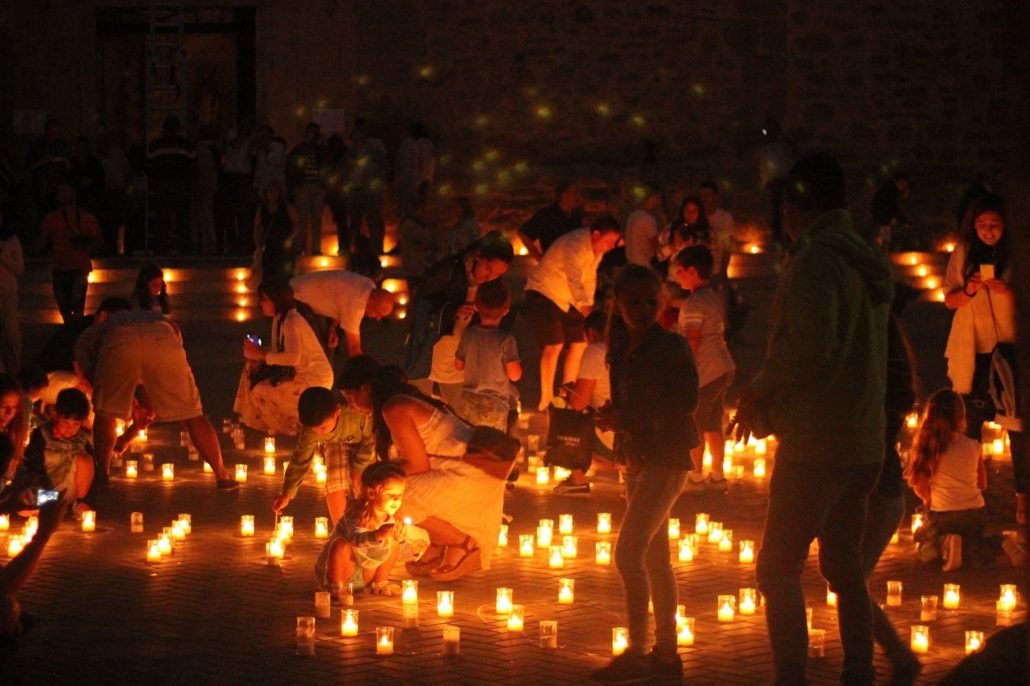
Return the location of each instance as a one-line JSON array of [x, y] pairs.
[[721, 222], [642, 230], [345, 298], [560, 293]]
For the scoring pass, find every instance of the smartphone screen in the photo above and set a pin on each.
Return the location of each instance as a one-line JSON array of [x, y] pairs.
[[986, 272], [44, 496]]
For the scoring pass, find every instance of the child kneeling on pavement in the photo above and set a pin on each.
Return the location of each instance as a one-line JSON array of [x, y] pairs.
[[59, 455]]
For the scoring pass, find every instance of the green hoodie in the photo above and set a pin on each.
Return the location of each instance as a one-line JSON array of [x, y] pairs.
[[824, 376]]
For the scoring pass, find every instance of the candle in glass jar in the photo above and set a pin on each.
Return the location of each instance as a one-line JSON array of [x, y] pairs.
[[674, 528], [384, 640], [269, 466], [974, 641], [167, 471], [241, 473], [952, 596], [748, 601], [89, 520], [554, 558], [727, 608], [726, 542], [164, 543], [270, 444], [928, 608], [178, 532], [286, 526], [274, 552], [620, 640], [569, 547], [142, 435], [502, 536], [321, 476], [5, 522], [603, 553], [526, 545], [321, 527], [561, 474], [701, 523], [131, 469], [1008, 597], [566, 591], [148, 462], [186, 522], [322, 603], [604, 522], [207, 469], [136, 523], [747, 551], [548, 634], [727, 464], [894, 593], [714, 532], [565, 524], [917, 522], [451, 640], [895, 538], [516, 618], [502, 605], [348, 622], [920, 641], [153, 551], [831, 597], [685, 552], [445, 604], [543, 476], [247, 525], [409, 592], [685, 632], [544, 533], [759, 470]]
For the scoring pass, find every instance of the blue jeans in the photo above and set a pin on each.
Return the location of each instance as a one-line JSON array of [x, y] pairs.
[[883, 515], [829, 503], [642, 553]]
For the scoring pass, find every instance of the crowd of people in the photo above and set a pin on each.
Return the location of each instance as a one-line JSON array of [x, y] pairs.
[[421, 453]]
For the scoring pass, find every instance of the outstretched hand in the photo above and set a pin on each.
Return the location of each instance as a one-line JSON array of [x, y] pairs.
[[51, 514]]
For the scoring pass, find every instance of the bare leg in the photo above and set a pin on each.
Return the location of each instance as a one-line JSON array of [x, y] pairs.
[[337, 503], [573, 357], [717, 448], [340, 568], [205, 438], [104, 436], [83, 475], [548, 367], [445, 534], [382, 572]]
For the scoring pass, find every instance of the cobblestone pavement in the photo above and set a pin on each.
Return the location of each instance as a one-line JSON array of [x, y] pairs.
[[214, 612]]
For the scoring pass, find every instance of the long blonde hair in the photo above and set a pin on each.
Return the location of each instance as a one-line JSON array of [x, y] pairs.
[[942, 420]]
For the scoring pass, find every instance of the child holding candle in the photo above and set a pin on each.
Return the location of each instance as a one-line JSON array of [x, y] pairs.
[[654, 386], [365, 543], [946, 469]]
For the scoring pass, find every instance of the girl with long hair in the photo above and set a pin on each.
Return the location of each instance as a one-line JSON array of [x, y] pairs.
[[151, 291]]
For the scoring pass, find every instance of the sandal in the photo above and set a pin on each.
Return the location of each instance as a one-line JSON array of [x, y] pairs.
[[469, 562], [384, 588], [425, 564]]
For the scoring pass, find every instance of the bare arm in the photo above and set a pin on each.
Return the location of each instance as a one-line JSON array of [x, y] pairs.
[[17, 572], [353, 343], [401, 414], [513, 369], [582, 392]]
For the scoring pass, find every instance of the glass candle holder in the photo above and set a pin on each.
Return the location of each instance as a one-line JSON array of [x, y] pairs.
[[566, 591], [817, 643], [759, 469], [305, 635], [323, 601], [543, 476], [952, 596], [526, 545], [451, 640], [148, 462], [1008, 597], [620, 640], [384, 640], [685, 632], [186, 521], [516, 618], [548, 634], [701, 523], [136, 523], [286, 525], [544, 533], [1004, 613], [569, 547], [502, 536], [167, 471], [554, 558], [131, 469], [603, 553], [894, 593], [321, 527], [409, 592], [503, 603], [153, 551], [748, 604], [831, 597], [928, 608], [270, 444], [727, 608], [89, 521], [565, 524], [974, 641], [247, 525], [920, 638], [604, 522], [269, 466], [241, 473], [561, 474], [349, 622], [674, 528], [684, 551], [274, 553], [747, 551], [714, 532], [726, 542]]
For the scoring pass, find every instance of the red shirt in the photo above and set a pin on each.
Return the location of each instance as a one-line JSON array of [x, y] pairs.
[[70, 232]]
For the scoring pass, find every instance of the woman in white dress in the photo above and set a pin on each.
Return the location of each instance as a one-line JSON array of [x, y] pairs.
[[449, 494], [274, 376]]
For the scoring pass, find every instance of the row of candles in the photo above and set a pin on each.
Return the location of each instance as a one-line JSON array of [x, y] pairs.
[[164, 545], [132, 468], [1005, 606]]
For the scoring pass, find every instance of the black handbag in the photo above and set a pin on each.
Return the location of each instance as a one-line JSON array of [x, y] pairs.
[[570, 438], [274, 374]]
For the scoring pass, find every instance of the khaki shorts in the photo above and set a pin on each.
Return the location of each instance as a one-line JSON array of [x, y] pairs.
[[149, 355]]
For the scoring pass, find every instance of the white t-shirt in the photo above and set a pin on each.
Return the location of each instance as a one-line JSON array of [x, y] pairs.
[[567, 273], [298, 347], [641, 234], [953, 486], [335, 293], [704, 311], [722, 225], [595, 368]]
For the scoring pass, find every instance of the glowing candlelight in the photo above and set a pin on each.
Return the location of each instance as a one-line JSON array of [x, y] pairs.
[[917, 522], [759, 468], [761, 446], [555, 559], [549, 634], [153, 551], [321, 476], [895, 538], [186, 522], [714, 532], [136, 523], [167, 471], [560, 474], [526, 545], [286, 526], [998, 447], [727, 608], [247, 525], [570, 547], [131, 469], [321, 527], [817, 643], [349, 622], [274, 552], [952, 596], [620, 640], [726, 542], [5, 522], [207, 469], [603, 553], [685, 631], [503, 603], [164, 544], [928, 608], [544, 533], [565, 524], [445, 604], [516, 618], [409, 592], [502, 536], [894, 593], [674, 528], [178, 532], [706, 459], [912, 420], [89, 520], [119, 427], [747, 551], [920, 642], [241, 473], [543, 476], [831, 597], [701, 523], [1008, 597], [270, 444], [269, 466], [727, 464], [142, 436], [451, 640], [748, 601], [384, 640], [604, 522], [685, 552], [974, 641], [14, 545], [566, 591]]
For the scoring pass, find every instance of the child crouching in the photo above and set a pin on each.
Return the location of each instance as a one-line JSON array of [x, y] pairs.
[[365, 542]]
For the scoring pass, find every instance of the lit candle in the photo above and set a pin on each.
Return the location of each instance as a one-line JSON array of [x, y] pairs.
[[1004, 613], [5, 522], [321, 476], [451, 640], [142, 436], [178, 532], [831, 597], [738, 472], [569, 547], [620, 640], [119, 427], [917, 522], [706, 459], [131, 469], [701, 523], [269, 466], [445, 603], [566, 591], [714, 532], [136, 523], [349, 622], [748, 601], [321, 527], [270, 444], [759, 470], [186, 522], [167, 471], [674, 528], [727, 608], [503, 603], [526, 545], [817, 643], [89, 520], [502, 536], [409, 592], [928, 608], [153, 551], [286, 526], [604, 522], [1008, 597], [322, 603], [14, 545], [565, 524], [693, 540], [548, 634], [747, 552], [516, 618], [998, 447], [207, 468], [952, 596], [685, 551], [685, 632], [384, 640], [274, 552], [247, 525], [544, 533], [543, 476], [920, 642], [726, 542], [603, 553], [560, 473], [241, 473], [894, 593], [164, 544], [555, 559], [761, 446], [895, 538], [974, 641], [727, 464]]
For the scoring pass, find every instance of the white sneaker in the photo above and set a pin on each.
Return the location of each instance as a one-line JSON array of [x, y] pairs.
[[695, 484], [952, 552]]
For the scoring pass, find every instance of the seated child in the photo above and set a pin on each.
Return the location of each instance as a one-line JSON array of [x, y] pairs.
[[946, 469], [34, 382], [346, 437], [59, 455], [366, 541], [490, 359]]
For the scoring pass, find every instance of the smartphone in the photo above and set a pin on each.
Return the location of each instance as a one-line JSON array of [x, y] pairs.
[[253, 339], [986, 272], [44, 496]]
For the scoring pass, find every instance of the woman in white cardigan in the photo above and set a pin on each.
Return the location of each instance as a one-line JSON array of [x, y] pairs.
[[12, 265], [274, 376]]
